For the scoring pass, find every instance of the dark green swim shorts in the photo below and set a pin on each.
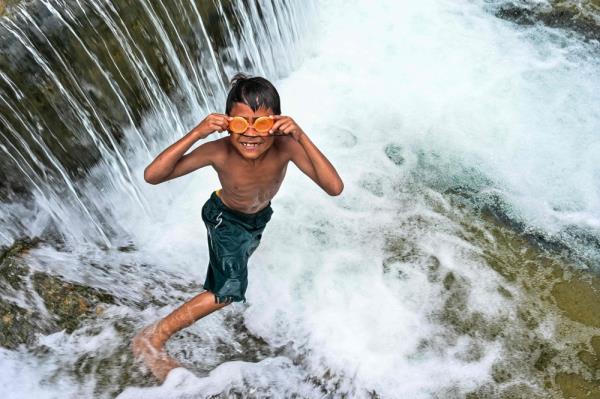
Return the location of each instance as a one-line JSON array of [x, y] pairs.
[[232, 237]]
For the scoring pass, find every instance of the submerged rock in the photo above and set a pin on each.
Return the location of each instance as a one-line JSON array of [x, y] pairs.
[[69, 303], [550, 334], [579, 298], [394, 153], [17, 325], [55, 321], [575, 386], [34, 302]]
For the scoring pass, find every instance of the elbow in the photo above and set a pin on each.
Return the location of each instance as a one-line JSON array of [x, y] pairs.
[[336, 189], [149, 178]]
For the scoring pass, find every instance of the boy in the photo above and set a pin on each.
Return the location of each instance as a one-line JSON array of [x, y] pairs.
[[251, 164]]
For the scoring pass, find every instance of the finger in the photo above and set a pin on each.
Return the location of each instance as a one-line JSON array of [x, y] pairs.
[[222, 126], [216, 116], [220, 118], [280, 132], [287, 127], [216, 126], [282, 118], [221, 122], [278, 123]]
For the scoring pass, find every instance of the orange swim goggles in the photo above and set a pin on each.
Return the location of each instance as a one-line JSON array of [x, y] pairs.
[[262, 125]]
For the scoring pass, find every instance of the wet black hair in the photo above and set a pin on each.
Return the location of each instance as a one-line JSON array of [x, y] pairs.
[[255, 92]]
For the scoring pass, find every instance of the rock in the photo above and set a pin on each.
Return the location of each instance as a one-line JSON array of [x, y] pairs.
[[546, 292], [69, 302], [22, 292], [576, 386], [108, 92], [394, 153], [579, 299], [577, 17], [17, 325]]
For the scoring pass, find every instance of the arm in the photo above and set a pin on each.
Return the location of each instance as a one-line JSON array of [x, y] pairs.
[[307, 157], [172, 162]]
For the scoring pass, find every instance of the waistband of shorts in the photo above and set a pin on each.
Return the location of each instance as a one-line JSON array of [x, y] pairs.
[[248, 216]]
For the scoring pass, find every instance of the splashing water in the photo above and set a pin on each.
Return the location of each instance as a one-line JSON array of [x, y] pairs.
[[388, 290]]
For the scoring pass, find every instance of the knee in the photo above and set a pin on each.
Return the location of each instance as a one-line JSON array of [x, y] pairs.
[[228, 301], [220, 301], [223, 301]]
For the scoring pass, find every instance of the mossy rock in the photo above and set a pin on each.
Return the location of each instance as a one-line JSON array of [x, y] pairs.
[[577, 387], [66, 304], [69, 303], [112, 91], [13, 271], [579, 299], [19, 326]]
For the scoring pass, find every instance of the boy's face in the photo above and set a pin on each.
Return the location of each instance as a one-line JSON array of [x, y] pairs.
[[249, 144]]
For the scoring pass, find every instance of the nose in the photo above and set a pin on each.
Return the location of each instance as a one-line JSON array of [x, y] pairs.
[[251, 130]]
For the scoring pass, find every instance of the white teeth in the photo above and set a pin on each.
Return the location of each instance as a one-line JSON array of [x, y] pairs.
[[250, 144]]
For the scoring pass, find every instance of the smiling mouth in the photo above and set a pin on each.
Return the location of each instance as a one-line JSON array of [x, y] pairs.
[[250, 145]]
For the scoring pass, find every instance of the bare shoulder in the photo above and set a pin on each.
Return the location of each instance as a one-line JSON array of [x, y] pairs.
[[216, 148], [218, 144]]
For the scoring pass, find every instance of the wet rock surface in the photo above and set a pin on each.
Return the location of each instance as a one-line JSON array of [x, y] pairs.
[[69, 316], [75, 77], [33, 302], [87, 331], [41, 313], [551, 339], [555, 296], [580, 17], [6, 5]]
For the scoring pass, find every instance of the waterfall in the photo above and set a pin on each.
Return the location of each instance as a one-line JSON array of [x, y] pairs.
[[460, 261], [80, 79]]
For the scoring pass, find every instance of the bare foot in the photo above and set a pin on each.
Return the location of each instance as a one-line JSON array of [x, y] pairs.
[[150, 349]]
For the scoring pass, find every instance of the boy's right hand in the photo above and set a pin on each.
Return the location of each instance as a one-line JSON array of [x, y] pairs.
[[212, 123]]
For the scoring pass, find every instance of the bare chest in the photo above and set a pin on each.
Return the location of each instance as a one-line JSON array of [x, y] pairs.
[[249, 187]]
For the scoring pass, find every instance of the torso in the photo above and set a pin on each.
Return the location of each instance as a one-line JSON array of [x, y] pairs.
[[248, 187]]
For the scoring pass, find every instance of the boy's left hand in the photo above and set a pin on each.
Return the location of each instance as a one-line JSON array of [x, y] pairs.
[[285, 126]]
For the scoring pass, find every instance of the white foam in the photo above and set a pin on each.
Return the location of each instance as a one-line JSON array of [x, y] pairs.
[[24, 376], [274, 377], [457, 90]]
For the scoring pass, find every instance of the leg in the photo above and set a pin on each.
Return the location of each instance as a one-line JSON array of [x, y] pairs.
[[149, 343]]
